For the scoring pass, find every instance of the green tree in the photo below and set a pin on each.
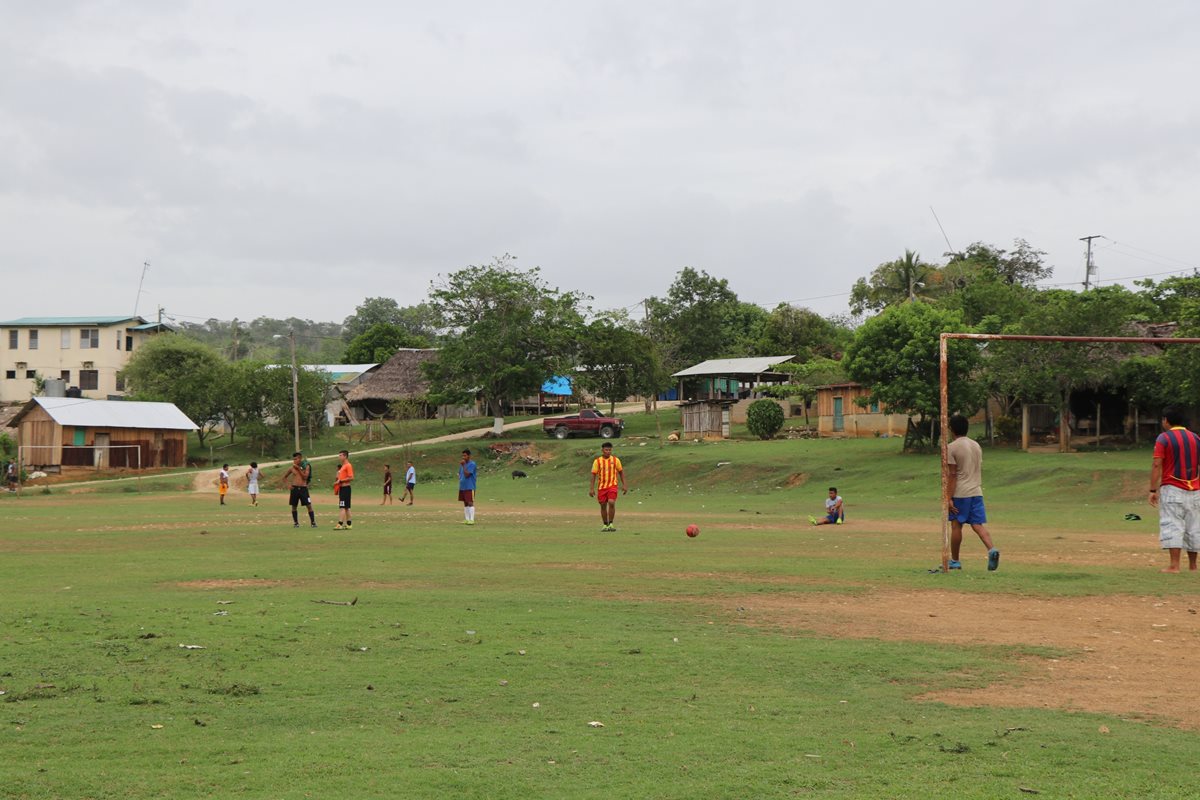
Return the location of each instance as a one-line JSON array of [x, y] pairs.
[[379, 342], [693, 322], [172, 368], [764, 418], [421, 322], [258, 401], [743, 325], [806, 378], [509, 333], [616, 362], [1051, 371], [371, 311], [895, 355], [803, 333], [1024, 265], [904, 280], [1175, 298]]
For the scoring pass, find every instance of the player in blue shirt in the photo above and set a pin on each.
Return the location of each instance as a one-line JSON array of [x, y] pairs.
[[466, 486]]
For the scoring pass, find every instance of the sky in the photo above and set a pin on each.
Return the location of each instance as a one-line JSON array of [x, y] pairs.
[[290, 158]]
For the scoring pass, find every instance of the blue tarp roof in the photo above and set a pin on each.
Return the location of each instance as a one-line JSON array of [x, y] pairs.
[[559, 385]]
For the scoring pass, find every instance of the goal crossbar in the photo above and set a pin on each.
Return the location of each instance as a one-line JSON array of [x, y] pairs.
[[944, 395]]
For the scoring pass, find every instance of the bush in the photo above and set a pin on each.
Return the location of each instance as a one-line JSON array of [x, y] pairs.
[[764, 418]]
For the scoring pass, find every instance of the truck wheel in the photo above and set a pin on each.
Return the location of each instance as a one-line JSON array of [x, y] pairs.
[[606, 432], [561, 432]]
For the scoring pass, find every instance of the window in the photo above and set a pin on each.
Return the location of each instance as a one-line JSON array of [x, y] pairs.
[[66, 339], [89, 338], [120, 333], [33, 339], [31, 374], [120, 382], [65, 375], [874, 408], [128, 344], [89, 379], [12, 340], [10, 374]]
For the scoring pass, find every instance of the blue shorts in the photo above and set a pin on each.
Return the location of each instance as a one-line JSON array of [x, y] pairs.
[[970, 510]]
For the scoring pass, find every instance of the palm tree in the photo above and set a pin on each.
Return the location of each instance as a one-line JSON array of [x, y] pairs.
[[903, 280]]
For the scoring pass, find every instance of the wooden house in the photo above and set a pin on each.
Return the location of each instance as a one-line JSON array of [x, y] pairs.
[[840, 413], [57, 432]]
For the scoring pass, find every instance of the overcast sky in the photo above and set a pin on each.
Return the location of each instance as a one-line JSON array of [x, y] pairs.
[[286, 158]]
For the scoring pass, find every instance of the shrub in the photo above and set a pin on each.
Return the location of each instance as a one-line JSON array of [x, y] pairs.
[[764, 418]]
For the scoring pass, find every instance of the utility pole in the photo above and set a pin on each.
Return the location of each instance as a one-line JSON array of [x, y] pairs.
[[295, 390], [1090, 268]]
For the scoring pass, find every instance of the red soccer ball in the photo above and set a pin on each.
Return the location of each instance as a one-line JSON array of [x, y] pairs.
[[693, 531]]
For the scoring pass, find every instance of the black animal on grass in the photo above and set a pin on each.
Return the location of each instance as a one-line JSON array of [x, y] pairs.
[[516, 473]]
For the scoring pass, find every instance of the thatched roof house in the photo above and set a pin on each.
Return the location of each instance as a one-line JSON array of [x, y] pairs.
[[400, 378]]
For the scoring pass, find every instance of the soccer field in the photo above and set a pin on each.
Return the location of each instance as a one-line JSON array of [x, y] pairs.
[[155, 644]]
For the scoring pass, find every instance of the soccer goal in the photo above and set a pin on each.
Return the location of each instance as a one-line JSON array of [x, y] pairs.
[[944, 396]]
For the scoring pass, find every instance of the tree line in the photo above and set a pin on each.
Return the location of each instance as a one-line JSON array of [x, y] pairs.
[[501, 331]]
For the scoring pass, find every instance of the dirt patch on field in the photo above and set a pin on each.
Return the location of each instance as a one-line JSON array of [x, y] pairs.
[[1120, 655], [796, 479], [230, 583]]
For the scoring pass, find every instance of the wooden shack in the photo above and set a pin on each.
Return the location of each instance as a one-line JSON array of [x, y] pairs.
[[57, 432], [706, 419], [840, 412]]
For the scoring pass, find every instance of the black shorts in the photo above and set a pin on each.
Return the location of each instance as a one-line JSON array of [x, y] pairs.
[[409, 486], [299, 496], [344, 497], [387, 488]]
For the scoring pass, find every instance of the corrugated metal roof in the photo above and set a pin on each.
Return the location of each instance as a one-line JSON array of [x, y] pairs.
[[733, 366], [81, 412], [50, 322]]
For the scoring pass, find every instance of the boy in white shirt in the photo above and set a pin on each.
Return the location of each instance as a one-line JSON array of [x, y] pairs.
[[834, 514]]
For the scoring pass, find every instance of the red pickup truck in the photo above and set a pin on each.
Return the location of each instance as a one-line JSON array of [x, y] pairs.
[[587, 421]]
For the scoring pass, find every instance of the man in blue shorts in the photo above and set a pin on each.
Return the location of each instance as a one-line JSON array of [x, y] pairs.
[[964, 458]]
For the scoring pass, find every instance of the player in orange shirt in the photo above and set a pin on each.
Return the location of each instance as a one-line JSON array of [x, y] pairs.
[[341, 487], [607, 470]]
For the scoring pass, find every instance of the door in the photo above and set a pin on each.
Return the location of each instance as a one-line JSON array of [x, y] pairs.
[[100, 448], [839, 424]]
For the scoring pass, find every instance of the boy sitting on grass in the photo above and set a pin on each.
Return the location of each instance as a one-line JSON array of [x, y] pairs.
[[834, 514]]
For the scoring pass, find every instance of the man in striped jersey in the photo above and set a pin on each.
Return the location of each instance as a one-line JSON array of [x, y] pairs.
[[1175, 488], [606, 471]]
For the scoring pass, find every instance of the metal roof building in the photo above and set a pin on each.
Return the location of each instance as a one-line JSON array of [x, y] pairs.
[[56, 432]]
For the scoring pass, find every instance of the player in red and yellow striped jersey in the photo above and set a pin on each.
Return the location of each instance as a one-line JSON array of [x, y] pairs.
[[607, 471]]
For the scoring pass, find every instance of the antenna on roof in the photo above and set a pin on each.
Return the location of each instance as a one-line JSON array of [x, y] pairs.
[[136, 300], [952, 251]]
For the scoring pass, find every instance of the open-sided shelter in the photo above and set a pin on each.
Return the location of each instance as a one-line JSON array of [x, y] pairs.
[[738, 380], [56, 432]]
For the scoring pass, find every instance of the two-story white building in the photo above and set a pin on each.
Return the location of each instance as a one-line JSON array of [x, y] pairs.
[[85, 352]]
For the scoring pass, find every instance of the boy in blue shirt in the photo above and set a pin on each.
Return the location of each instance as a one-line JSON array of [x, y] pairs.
[[466, 486]]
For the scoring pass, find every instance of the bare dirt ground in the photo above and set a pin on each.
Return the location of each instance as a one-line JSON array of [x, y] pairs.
[[1120, 655]]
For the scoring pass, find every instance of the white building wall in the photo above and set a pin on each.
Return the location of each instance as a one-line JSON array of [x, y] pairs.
[[49, 351]]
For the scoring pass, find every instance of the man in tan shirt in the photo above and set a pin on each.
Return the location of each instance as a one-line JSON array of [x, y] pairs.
[[964, 460]]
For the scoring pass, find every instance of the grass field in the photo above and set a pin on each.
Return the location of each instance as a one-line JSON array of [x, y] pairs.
[[763, 659]]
